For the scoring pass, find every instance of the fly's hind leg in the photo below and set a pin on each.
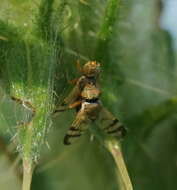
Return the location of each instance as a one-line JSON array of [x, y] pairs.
[[111, 125], [77, 128]]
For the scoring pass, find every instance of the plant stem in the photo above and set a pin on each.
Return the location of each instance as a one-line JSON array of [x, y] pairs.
[[27, 174], [115, 150]]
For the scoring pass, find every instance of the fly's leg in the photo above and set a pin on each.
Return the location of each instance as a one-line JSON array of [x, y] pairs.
[[77, 128], [76, 104], [74, 95], [70, 106], [112, 125], [75, 92], [73, 81], [78, 66], [79, 69]]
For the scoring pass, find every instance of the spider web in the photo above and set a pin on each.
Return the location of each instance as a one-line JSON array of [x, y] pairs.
[[147, 83]]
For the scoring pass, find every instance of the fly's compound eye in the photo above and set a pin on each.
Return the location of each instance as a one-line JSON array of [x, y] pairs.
[[91, 68]]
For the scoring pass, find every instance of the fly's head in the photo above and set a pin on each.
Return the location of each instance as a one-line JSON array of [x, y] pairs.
[[91, 69]]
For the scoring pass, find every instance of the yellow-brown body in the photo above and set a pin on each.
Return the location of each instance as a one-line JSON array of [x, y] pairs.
[[85, 98]]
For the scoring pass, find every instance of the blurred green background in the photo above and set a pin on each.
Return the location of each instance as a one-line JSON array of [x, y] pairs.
[[138, 82]]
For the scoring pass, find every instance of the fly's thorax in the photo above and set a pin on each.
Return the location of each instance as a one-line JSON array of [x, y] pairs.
[[90, 91]]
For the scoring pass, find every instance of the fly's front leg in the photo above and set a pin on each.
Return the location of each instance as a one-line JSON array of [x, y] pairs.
[[67, 107], [77, 128], [75, 92], [112, 125], [71, 101], [73, 81], [78, 65]]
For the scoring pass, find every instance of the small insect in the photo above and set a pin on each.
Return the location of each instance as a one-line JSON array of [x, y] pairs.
[[85, 98]]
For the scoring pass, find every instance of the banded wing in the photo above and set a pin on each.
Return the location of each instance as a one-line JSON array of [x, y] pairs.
[[77, 128], [73, 99], [72, 96], [111, 125], [76, 91]]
